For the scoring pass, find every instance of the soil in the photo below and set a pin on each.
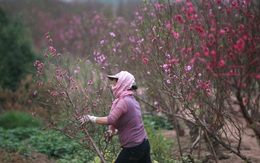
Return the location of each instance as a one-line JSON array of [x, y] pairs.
[[250, 148], [7, 156]]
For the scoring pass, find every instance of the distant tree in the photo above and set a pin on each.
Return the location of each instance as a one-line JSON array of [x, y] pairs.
[[16, 51]]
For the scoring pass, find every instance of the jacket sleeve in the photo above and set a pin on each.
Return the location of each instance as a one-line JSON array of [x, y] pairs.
[[117, 112]]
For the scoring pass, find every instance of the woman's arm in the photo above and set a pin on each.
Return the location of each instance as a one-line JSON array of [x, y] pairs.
[[101, 120], [114, 115]]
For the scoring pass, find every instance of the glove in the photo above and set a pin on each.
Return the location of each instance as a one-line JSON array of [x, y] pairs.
[[112, 131], [86, 119]]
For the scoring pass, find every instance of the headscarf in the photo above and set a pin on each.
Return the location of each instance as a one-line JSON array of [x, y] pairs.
[[123, 86]]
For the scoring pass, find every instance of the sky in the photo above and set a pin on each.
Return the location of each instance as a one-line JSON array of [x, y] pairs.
[[105, 1]]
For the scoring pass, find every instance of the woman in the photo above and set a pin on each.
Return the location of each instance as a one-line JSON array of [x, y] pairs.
[[125, 117]]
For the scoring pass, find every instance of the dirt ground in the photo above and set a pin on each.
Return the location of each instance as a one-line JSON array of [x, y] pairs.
[[7, 156], [250, 148]]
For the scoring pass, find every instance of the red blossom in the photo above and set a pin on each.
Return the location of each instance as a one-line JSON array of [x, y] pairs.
[[234, 4], [213, 53], [145, 60], [206, 51], [221, 63], [201, 31], [171, 61], [240, 44], [179, 19], [197, 54]]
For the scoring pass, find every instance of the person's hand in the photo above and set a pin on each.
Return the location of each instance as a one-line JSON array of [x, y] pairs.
[[86, 119], [110, 133], [112, 130]]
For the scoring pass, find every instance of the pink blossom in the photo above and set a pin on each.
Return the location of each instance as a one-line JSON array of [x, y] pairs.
[[175, 34], [168, 25], [90, 82], [226, 29], [240, 44], [158, 5], [171, 61], [76, 71], [208, 5], [191, 95], [208, 90], [229, 39], [112, 34], [188, 68], [36, 63], [197, 54], [245, 100], [53, 94], [222, 31], [245, 37], [203, 85], [192, 60], [221, 63], [52, 49], [212, 29], [213, 53], [165, 66], [206, 51], [102, 42], [132, 39]]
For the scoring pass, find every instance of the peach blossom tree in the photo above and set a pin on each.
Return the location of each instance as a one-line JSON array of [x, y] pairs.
[[198, 62], [195, 62], [66, 88]]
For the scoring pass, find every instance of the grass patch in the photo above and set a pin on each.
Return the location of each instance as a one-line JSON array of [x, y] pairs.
[[29, 140], [11, 120]]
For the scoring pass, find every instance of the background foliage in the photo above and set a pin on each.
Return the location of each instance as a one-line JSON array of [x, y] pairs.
[[195, 61], [16, 51]]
